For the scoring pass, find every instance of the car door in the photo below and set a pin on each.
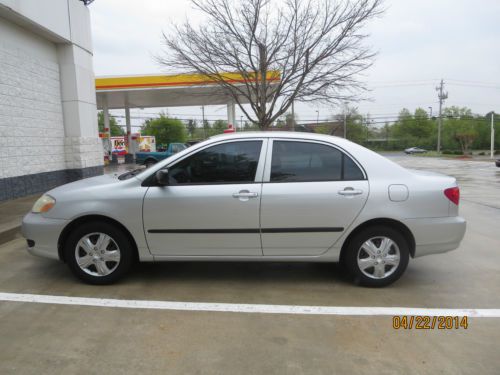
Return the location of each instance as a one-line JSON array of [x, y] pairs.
[[312, 192], [211, 205]]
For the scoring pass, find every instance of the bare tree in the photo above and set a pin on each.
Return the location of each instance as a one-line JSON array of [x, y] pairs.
[[284, 51]]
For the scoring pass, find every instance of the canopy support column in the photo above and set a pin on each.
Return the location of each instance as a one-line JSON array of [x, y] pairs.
[[105, 112], [107, 129], [231, 114], [129, 156]]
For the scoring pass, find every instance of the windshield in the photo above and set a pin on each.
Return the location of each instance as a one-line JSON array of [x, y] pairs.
[[144, 173]]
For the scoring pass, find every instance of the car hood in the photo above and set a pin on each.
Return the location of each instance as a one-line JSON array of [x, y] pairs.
[[88, 195], [107, 179]]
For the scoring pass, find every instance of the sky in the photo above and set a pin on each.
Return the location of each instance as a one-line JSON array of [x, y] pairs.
[[419, 42]]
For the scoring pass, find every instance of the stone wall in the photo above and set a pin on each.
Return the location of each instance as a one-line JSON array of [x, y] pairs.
[[48, 117], [32, 137]]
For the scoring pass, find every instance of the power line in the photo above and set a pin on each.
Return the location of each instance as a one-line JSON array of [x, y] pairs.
[[473, 82], [402, 85], [405, 81], [382, 119], [474, 85]]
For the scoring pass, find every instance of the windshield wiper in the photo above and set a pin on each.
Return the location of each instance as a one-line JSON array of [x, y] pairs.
[[129, 174]]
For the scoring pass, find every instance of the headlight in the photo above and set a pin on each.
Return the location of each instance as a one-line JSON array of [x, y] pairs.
[[43, 204]]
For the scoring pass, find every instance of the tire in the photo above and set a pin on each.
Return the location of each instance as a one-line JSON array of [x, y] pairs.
[[98, 264], [371, 263], [148, 163]]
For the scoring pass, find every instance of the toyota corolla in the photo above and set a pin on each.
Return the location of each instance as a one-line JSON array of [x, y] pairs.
[[270, 196]]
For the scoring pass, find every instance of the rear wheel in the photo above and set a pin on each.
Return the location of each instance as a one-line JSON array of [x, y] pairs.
[[377, 256], [98, 253], [150, 162]]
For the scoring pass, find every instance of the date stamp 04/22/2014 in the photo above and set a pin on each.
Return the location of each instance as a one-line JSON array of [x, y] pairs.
[[429, 322]]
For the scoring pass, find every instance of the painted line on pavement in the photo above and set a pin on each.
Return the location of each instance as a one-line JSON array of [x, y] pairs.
[[247, 308]]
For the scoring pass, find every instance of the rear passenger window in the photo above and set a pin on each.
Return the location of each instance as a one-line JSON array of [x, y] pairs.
[[305, 161], [351, 170]]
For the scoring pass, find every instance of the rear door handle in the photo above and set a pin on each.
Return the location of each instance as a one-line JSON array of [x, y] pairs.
[[349, 192]]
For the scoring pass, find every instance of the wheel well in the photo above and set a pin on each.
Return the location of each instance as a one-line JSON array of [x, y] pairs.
[[397, 225], [85, 219], [150, 159]]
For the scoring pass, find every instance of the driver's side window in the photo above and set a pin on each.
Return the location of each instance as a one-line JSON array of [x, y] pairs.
[[226, 163]]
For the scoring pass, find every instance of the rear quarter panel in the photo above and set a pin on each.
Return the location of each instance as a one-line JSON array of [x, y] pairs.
[[425, 199]]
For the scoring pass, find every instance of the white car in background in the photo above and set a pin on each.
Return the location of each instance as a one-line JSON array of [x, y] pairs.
[[415, 150], [264, 196]]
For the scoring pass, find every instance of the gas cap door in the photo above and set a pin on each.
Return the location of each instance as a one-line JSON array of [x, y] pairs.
[[398, 193]]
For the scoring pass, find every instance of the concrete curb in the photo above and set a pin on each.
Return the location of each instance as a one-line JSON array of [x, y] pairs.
[[9, 234]]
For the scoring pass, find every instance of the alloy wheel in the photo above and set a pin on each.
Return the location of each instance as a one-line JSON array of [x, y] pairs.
[[97, 254], [378, 257]]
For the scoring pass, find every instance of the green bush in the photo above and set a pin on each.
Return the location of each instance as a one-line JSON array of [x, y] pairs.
[[165, 129]]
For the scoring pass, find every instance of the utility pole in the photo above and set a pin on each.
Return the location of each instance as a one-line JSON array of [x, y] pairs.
[[345, 125], [430, 112], [492, 145], [346, 108], [368, 121], [317, 118], [441, 96], [241, 123], [293, 115], [203, 121]]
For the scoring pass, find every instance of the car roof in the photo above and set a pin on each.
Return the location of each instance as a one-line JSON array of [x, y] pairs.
[[276, 134]]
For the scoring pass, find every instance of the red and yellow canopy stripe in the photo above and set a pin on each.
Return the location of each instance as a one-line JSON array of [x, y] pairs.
[[150, 81]]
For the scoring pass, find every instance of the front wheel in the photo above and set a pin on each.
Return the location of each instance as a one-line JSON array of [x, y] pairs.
[[98, 253], [377, 256]]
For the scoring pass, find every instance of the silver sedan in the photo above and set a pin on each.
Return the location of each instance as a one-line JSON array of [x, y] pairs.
[[252, 197]]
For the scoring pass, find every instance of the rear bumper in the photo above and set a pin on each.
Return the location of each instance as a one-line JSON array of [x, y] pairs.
[[44, 232], [436, 235]]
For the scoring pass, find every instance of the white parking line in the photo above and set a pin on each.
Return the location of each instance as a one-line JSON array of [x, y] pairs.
[[247, 308]]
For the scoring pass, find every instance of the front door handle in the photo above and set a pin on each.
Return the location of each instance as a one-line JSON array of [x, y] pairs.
[[245, 194], [349, 192]]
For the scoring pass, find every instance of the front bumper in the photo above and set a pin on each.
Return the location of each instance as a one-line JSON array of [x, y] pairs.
[[436, 235], [44, 232]]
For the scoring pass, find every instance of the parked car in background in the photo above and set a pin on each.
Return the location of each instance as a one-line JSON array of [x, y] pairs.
[[263, 196], [497, 163], [192, 142], [415, 150], [150, 158]]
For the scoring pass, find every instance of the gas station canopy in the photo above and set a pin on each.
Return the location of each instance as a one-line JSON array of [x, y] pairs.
[[153, 91], [165, 90]]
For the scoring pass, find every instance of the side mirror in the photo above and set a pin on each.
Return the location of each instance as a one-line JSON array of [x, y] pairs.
[[162, 177]]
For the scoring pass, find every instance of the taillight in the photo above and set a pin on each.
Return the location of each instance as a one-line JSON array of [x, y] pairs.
[[453, 194]]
